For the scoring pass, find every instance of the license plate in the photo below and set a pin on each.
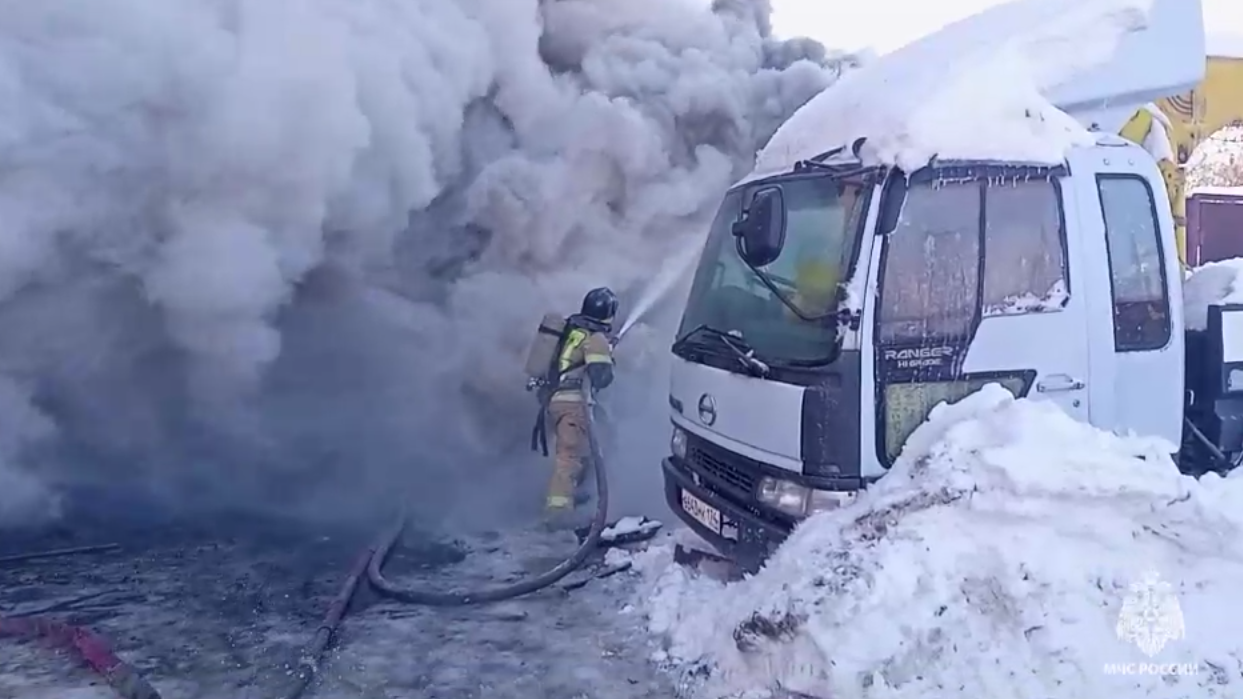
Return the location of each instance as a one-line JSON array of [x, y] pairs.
[[703, 513]]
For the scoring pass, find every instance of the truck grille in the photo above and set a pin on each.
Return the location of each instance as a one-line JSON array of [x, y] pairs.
[[737, 472]]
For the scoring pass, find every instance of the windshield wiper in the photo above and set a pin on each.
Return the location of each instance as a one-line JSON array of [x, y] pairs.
[[738, 347]]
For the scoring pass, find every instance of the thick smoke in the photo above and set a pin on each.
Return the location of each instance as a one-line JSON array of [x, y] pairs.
[[290, 252]]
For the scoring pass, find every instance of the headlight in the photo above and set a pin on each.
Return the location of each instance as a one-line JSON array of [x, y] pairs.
[[677, 443], [825, 500], [790, 498], [800, 501]]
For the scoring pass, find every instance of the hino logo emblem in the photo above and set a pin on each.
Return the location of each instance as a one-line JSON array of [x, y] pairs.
[[707, 410]]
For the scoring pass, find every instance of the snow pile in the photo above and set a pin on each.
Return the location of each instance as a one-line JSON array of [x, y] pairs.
[[630, 526], [973, 90], [995, 560], [1212, 284]]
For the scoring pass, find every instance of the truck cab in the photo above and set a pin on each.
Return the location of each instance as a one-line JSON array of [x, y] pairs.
[[1059, 282]]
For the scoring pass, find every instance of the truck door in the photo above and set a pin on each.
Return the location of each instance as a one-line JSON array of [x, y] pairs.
[[977, 286], [1127, 233]]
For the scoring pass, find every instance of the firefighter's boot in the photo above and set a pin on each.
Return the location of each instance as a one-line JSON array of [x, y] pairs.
[[559, 513]]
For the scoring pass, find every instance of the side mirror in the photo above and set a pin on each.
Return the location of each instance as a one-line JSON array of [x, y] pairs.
[[761, 232]]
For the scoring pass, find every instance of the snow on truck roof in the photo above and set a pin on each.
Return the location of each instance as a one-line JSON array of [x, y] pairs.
[[1001, 85]]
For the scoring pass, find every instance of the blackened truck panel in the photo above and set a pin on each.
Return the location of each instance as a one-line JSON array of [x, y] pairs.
[[1214, 226]]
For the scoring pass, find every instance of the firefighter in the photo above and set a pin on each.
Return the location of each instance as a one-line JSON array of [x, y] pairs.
[[586, 350]]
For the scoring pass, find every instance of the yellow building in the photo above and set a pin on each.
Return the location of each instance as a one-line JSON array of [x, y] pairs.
[[1193, 117]]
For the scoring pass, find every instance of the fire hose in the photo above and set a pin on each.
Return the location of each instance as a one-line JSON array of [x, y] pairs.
[[129, 684], [379, 553], [435, 598], [91, 648], [308, 663]]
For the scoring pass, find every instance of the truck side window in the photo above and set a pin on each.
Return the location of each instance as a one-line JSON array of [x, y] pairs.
[[1024, 249], [929, 288], [1137, 276]]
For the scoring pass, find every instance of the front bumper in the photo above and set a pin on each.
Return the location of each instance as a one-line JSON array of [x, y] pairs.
[[743, 536]]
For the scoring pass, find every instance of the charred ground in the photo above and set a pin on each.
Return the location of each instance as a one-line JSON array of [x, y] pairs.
[[221, 607]]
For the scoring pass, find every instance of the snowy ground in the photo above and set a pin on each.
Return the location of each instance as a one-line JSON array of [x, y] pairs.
[[997, 559], [219, 611]]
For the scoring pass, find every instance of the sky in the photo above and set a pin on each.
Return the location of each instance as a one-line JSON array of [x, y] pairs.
[[885, 25]]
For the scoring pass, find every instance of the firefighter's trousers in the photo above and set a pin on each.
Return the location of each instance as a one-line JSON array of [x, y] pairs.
[[569, 422]]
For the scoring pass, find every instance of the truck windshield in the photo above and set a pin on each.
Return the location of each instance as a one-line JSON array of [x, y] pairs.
[[823, 221]]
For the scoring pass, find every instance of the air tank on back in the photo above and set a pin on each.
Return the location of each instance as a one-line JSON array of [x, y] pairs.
[[543, 348]]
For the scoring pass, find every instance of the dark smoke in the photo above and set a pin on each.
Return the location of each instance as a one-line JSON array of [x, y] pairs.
[[288, 253]]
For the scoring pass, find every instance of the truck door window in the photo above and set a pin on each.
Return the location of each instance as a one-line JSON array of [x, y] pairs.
[[929, 286], [1024, 249], [930, 282], [1141, 307], [822, 233]]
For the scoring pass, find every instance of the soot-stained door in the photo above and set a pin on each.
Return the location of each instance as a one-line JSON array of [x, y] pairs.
[[975, 288]]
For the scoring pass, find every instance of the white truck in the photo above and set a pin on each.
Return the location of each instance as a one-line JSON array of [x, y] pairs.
[[836, 302]]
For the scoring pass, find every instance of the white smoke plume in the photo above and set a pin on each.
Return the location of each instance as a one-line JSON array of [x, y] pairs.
[[289, 252]]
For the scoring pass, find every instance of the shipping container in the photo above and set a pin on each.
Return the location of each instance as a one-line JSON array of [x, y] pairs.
[[1214, 224]]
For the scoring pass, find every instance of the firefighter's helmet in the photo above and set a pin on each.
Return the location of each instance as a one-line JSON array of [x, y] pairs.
[[600, 305]]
